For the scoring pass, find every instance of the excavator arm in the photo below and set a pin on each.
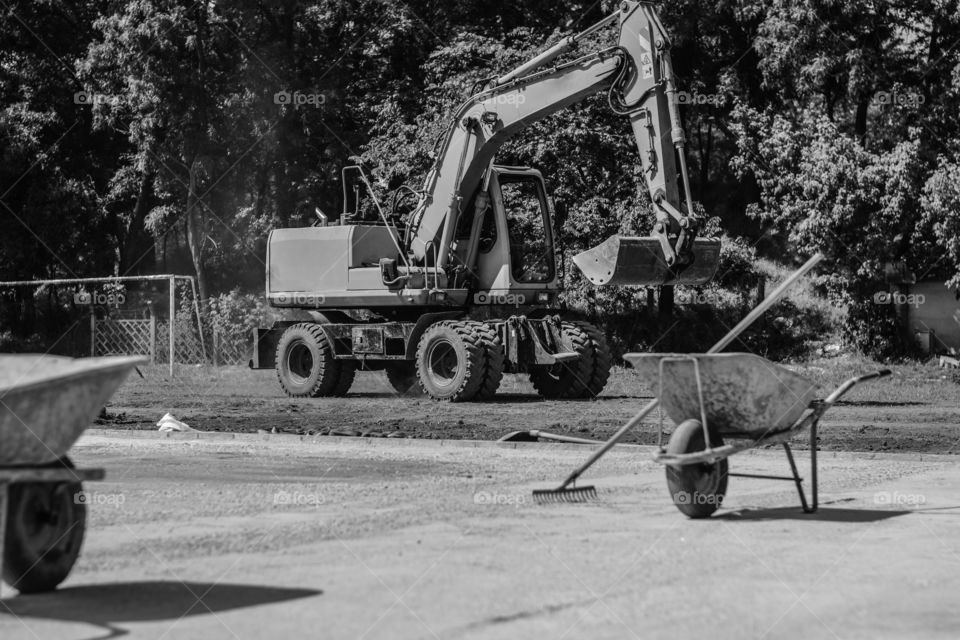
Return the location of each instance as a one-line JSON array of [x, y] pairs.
[[638, 75]]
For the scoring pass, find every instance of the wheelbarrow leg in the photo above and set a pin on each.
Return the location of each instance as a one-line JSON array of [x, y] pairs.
[[3, 528], [814, 498], [813, 465], [797, 479]]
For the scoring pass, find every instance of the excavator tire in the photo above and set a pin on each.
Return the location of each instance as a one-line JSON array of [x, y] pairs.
[[602, 360], [451, 361], [403, 378], [493, 372], [567, 379], [306, 367], [348, 370]]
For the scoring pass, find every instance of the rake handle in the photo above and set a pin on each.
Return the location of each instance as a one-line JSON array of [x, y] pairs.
[[731, 335]]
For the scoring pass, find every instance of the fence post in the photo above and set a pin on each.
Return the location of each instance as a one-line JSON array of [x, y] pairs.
[[93, 331], [216, 347], [173, 313], [153, 337]]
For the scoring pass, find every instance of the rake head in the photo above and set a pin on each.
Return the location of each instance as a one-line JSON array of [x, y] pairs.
[[572, 495]]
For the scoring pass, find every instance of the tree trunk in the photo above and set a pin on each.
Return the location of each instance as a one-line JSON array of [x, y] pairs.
[[194, 219], [139, 246], [860, 125]]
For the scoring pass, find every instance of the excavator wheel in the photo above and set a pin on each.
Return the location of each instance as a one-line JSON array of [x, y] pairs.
[[567, 379], [451, 361], [493, 371], [602, 360], [403, 378], [306, 367]]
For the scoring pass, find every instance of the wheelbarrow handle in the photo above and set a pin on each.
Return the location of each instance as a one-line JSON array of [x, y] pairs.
[[849, 384]]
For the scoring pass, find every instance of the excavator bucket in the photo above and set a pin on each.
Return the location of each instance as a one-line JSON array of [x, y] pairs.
[[637, 261]]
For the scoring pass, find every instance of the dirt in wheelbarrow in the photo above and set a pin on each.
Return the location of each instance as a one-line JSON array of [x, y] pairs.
[[916, 410]]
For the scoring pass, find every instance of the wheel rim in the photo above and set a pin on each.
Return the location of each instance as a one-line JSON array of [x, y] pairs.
[[299, 362], [443, 363]]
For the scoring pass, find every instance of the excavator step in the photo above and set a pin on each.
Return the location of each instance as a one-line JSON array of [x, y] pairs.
[[639, 261]]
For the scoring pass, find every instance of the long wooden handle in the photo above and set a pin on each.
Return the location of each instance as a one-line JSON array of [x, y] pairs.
[[750, 318]]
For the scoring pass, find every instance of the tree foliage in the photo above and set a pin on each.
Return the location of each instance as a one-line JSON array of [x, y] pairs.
[[142, 136]]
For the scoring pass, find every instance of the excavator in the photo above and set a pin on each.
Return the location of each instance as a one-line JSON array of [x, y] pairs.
[[464, 286]]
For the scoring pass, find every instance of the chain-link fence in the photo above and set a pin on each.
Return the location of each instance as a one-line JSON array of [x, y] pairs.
[[115, 316]]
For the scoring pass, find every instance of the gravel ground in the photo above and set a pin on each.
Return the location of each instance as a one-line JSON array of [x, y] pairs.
[[276, 536]]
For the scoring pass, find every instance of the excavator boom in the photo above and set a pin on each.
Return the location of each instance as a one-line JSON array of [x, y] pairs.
[[638, 75]]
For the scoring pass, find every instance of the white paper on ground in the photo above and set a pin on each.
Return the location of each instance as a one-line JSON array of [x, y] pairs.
[[169, 423]]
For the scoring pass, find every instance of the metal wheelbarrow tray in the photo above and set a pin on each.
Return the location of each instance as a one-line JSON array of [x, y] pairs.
[[46, 402], [739, 397]]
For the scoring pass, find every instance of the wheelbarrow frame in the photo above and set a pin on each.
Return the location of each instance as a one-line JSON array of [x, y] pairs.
[[810, 420], [45, 406], [51, 476]]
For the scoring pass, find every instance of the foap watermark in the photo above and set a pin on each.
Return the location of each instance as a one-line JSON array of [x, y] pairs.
[[298, 498], [99, 298], [506, 98], [488, 297], [495, 499], [895, 297], [91, 98], [297, 99], [898, 499], [899, 98], [96, 498], [300, 299], [697, 497], [696, 297], [712, 99]]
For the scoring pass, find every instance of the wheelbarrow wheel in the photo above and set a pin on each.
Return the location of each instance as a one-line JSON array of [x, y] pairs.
[[697, 489], [45, 526]]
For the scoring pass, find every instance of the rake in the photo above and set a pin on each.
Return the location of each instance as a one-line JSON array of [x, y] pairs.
[[566, 492]]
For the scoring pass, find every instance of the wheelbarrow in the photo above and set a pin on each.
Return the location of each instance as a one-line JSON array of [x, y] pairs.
[[736, 397], [46, 402]]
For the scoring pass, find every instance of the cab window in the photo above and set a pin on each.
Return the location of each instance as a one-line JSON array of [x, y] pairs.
[[531, 247]]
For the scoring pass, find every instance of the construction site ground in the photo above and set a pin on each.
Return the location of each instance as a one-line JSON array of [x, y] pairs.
[[260, 526], [275, 536], [916, 410]]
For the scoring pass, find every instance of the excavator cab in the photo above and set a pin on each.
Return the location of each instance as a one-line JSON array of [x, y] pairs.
[[507, 233]]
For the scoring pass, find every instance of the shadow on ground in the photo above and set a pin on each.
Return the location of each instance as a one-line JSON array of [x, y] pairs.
[[824, 514], [107, 604]]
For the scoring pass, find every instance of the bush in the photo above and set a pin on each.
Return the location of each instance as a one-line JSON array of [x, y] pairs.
[[234, 316], [794, 328]]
